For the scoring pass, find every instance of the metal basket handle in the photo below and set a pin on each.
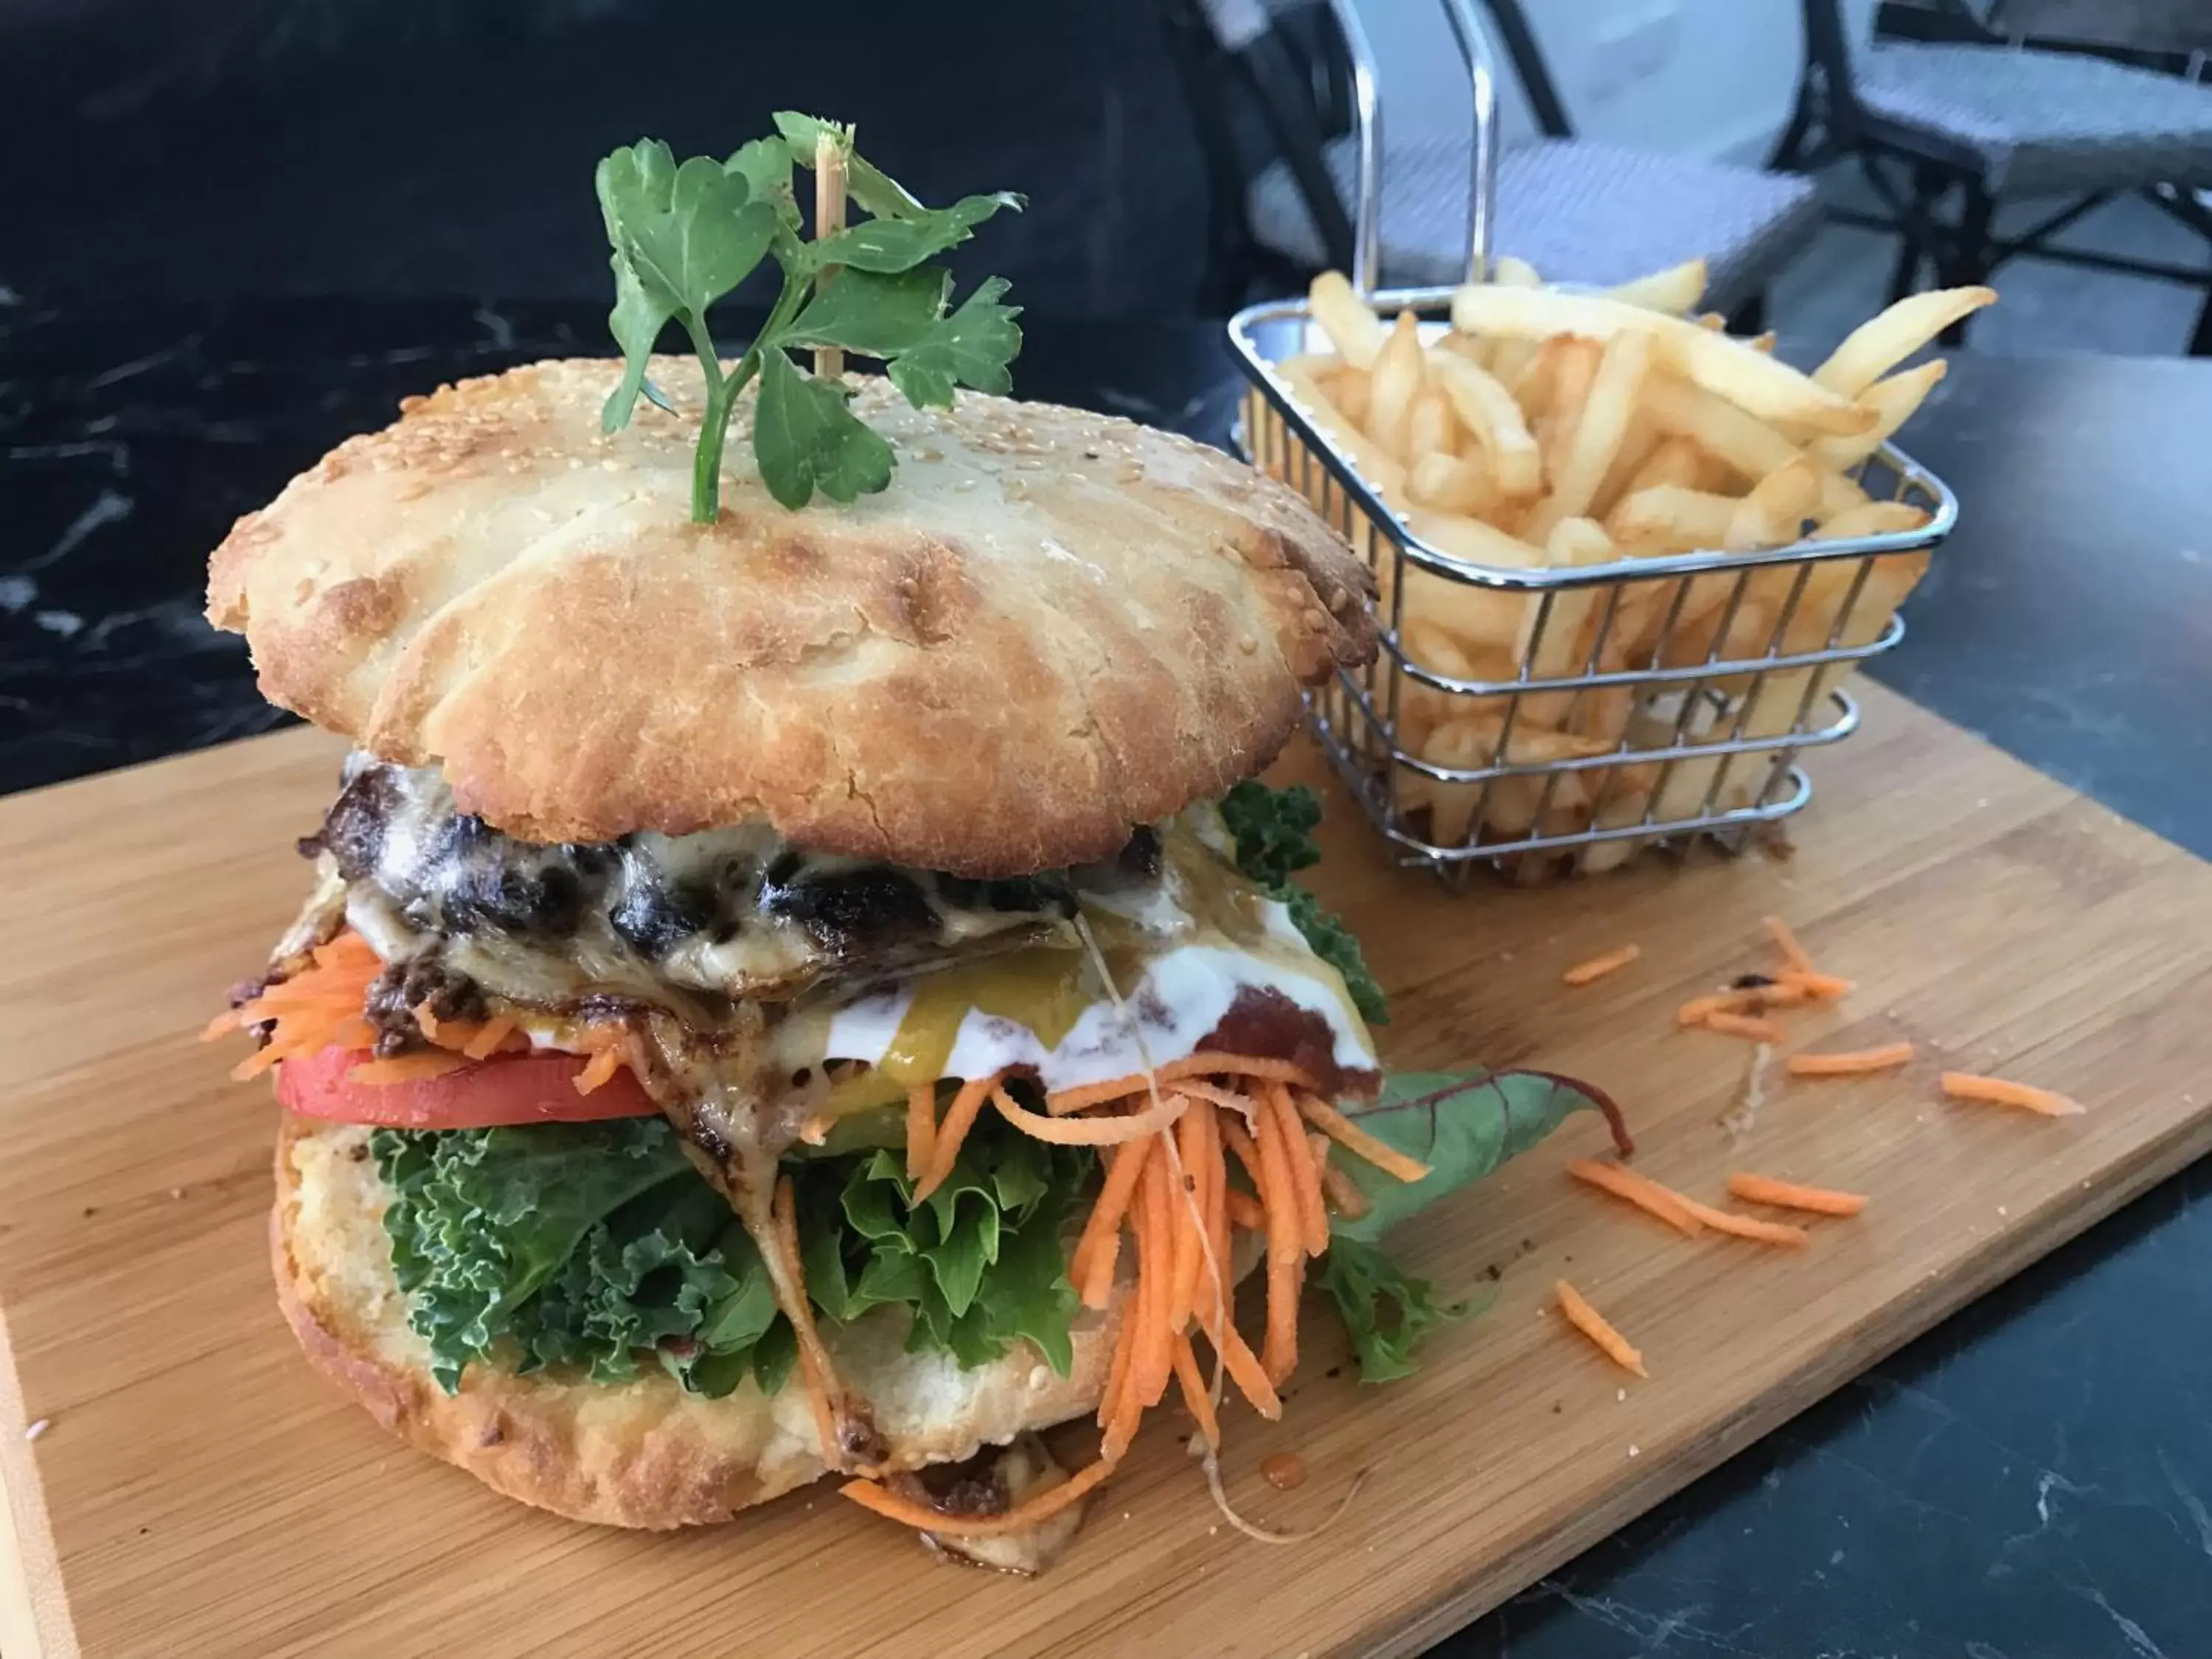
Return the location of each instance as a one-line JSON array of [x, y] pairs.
[[1475, 50]]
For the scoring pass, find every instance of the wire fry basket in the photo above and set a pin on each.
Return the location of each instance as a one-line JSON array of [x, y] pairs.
[[1553, 718]]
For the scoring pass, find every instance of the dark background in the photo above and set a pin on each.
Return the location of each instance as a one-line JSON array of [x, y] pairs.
[[440, 147]]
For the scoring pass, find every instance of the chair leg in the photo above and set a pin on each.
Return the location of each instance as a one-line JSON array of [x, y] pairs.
[[2200, 340], [1969, 260], [1789, 149], [1918, 232]]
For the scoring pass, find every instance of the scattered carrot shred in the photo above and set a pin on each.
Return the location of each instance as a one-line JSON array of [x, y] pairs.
[[873, 1495], [1750, 1027], [1245, 1210], [1855, 1062], [1594, 1325], [1745, 1226], [1343, 1192], [1648, 1195], [1792, 952], [1788, 1195], [1279, 1354], [2001, 1091], [1827, 988], [1585, 973]]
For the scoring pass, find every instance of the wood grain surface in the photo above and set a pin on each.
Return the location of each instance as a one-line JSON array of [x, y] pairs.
[[198, 1490]]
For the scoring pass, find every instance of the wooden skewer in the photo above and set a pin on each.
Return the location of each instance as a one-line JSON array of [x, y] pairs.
[[829, 220]]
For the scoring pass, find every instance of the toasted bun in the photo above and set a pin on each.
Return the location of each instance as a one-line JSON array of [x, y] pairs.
[[640, 1453], [1053, 626]]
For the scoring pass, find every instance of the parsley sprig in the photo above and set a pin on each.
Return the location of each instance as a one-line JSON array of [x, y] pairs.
[[686, 235]]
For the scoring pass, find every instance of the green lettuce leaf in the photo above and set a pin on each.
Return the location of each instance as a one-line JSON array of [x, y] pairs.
[[598, 1247], [1462, 1128], [1274, 832]]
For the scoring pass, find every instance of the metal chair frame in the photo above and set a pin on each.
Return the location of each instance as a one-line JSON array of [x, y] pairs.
[[1961, 248]]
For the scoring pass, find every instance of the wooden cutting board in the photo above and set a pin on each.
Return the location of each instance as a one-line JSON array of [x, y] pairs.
[[198, 1490]]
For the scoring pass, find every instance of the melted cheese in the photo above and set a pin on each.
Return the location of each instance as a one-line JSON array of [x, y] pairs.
[[1181, 953]]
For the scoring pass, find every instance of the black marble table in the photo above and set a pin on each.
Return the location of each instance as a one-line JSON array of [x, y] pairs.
[[2033, 1479]]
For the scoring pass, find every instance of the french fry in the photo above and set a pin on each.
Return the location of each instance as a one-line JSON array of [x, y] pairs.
[[1749, 446], [1491, 416], [1430, 431], [1601, 426], [1872, 519], [1350, 394], [1759, 385], [1894, 401], [1378, 469], [1401, 371], [1351, 324], [1574, 373], [1509, 272], [1452, 483], [1477, 617], [1674, 460], [1470, 743], [1637, 444], [1776, 508], [1562, 646], [1675, 290], [1671, 519], [1879, 344]]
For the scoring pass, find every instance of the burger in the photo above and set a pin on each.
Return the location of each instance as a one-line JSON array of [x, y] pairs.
[[815, 990]]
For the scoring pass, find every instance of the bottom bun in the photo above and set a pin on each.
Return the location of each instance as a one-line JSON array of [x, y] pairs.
[[644, 1453]]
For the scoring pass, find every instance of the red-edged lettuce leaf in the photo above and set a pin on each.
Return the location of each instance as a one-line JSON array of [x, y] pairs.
[[1462, 1128]]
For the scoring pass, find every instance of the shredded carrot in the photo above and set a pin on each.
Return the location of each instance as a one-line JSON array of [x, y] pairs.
[[1825, 986], [1343, 1192], [489, 1037], [1698, 1010], [1090, 1268], [2001, 1091], [1278, 1353], [1788, 1195], [869, 1495], [813, 1358], [602, 1065], [1243, 1105], [1583, 973], [1745, 1226], [1117, 1370], [1305, 1176], [1357, 1141], [1747, 1026], [959, 1118], [1792, 952], [1248, 1374], [1238, 1139], [1593, 1324], [1082, 1132], [1245, 1211], [1203, 1064], [1189, 1212], [1851, 1063], [1194, 1394], [406, 1068], [920, 1129], [1645, 1194], [319, 1007], [1153, 1363]]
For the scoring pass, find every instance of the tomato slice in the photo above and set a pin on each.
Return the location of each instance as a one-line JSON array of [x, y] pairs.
[[504, 1090]]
